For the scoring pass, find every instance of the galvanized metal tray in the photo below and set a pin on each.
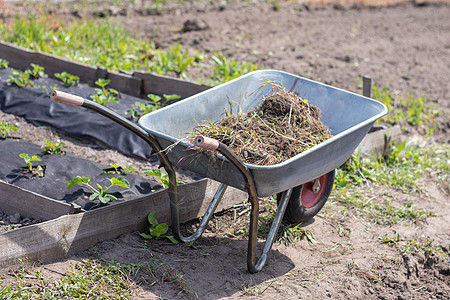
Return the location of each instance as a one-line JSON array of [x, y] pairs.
[[348, 115]]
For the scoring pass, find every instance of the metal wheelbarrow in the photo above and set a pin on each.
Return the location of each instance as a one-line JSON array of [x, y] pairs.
[[302, 183]]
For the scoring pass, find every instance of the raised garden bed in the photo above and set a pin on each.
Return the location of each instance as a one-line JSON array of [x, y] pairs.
[[69, 225], [70, 221]]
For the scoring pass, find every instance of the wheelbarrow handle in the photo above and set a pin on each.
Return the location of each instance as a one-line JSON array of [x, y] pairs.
[[66, 98], [73, 100]]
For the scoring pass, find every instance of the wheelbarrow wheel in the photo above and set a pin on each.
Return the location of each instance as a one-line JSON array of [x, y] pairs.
[[308, 199]]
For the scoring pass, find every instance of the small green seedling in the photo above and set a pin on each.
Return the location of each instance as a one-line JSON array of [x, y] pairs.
[[68, 79], [157, 230], [163, 177], [36, 72], [6, 128], [3, 63], [101, 193], [19, 78], [157, 99], [29, 159], [105, 95], [54, 148], [119, 169], [146, 107]]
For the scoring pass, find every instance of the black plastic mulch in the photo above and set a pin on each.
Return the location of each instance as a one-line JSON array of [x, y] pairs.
[[35, 106], [59, 170]]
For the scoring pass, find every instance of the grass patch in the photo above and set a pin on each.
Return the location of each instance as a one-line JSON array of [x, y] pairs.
[[405, 246], [88, 279], [101, 42], [379, 209], [406, 110], [287, 234], [400, 168]]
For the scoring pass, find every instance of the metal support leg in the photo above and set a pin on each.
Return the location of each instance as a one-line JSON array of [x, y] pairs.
[[252, 267]]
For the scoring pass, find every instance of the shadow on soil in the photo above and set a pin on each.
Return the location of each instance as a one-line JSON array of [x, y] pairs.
[[210, 268]]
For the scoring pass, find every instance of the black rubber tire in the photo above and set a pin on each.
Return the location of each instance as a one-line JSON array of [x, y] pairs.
[[296, 212]]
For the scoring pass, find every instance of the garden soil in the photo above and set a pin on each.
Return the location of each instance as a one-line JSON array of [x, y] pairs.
[[405, 47]]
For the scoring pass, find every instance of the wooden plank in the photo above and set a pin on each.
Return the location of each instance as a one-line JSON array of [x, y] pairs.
[[158, 84], [138, 84], [17, 57], [124, 83], [378, 142], [21, 58], [15, 199], [70, 234]]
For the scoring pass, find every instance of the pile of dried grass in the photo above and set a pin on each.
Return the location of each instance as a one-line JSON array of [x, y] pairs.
[[283, 126]]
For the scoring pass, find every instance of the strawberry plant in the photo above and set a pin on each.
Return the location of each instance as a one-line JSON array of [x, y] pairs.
[[104, 94], [19, 78], [101, 193], [3, 63], [53, 148], [6, 128], [163, 177], [157, 230], [68, 79], [119, 169], [36, 72], [29, 159], [146, 107]]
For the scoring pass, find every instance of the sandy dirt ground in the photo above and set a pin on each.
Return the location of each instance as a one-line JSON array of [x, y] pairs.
[[405, 47]]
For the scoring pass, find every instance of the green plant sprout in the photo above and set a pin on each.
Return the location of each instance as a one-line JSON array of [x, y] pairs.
[[157, 230], [68, 79], [146, 107], [19, 78], [163, 177], [119, 169], [36, 72], [6, 128], [29, 159], [227, 69], [54, 148], [3, 63], [101, 193], [105, 95]]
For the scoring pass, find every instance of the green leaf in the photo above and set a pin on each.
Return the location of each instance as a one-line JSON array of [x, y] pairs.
[[36, 158], [152, 219], [94, 196], [25, 157], [120, 181], [172, 239], [74, 181], [154, 172], [159, 230], [146, 236], [104, 199], [171, 97], [111, 196], [154, 98]]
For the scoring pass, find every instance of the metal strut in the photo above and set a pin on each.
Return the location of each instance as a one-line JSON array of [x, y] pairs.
[[252, 266], [210, 144]]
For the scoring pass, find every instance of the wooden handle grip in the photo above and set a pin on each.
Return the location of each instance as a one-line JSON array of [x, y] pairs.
[[66, 98], [206, 142]]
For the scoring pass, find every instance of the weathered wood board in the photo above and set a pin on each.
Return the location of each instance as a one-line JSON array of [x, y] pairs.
[[138, 84], [377, 142], [71, 233]]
